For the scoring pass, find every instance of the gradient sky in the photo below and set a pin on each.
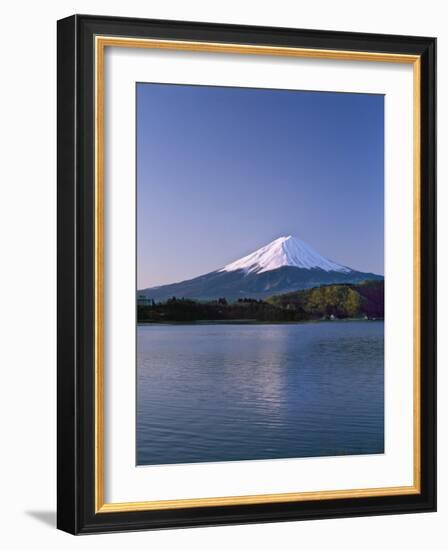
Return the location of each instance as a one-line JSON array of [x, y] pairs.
[[223, 171]]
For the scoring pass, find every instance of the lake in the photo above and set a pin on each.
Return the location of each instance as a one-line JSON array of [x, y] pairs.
[[217, 392]]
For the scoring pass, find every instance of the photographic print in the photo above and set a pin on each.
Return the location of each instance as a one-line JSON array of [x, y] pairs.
[[246, 274], [260, 262]]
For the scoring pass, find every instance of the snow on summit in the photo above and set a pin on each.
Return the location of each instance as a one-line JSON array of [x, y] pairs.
[[284, 251]]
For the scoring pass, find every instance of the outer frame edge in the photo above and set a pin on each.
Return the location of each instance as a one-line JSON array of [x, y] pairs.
[[67, 457]]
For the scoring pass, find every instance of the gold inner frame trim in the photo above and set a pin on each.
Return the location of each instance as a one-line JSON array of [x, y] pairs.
[[101, 42]]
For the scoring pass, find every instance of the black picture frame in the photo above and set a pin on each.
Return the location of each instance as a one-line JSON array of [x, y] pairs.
[[76, 286]]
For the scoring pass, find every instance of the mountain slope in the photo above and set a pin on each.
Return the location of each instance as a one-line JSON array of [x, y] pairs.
[[284, 252], [285, 265]]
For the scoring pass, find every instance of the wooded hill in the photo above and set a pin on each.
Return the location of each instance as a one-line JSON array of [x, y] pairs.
[[341, 301], [338, 301]]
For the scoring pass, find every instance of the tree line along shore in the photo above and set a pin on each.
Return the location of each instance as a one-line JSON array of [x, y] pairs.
[[338, 301]]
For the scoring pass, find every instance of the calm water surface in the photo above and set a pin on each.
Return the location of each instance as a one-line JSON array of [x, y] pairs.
[[214, 392]]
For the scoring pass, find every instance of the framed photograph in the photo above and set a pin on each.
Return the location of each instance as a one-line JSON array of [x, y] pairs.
[[246, 271]]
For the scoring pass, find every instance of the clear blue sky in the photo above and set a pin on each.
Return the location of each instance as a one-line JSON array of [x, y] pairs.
[[223, 171]]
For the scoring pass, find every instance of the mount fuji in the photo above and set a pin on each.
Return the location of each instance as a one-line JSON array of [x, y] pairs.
[[284, 265]]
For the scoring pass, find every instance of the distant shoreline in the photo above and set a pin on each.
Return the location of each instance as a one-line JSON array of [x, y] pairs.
[[363, 301], [255, 322]]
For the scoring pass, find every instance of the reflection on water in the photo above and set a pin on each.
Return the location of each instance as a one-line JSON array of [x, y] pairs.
[[214, 392]]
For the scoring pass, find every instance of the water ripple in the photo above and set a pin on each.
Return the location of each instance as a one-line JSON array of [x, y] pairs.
[[209, 393]]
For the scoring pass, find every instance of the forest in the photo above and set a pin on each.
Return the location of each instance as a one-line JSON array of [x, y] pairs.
[[339, 301]]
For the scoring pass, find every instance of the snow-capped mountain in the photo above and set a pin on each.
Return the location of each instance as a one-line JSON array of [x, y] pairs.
[[285, 251], [284, 265]]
